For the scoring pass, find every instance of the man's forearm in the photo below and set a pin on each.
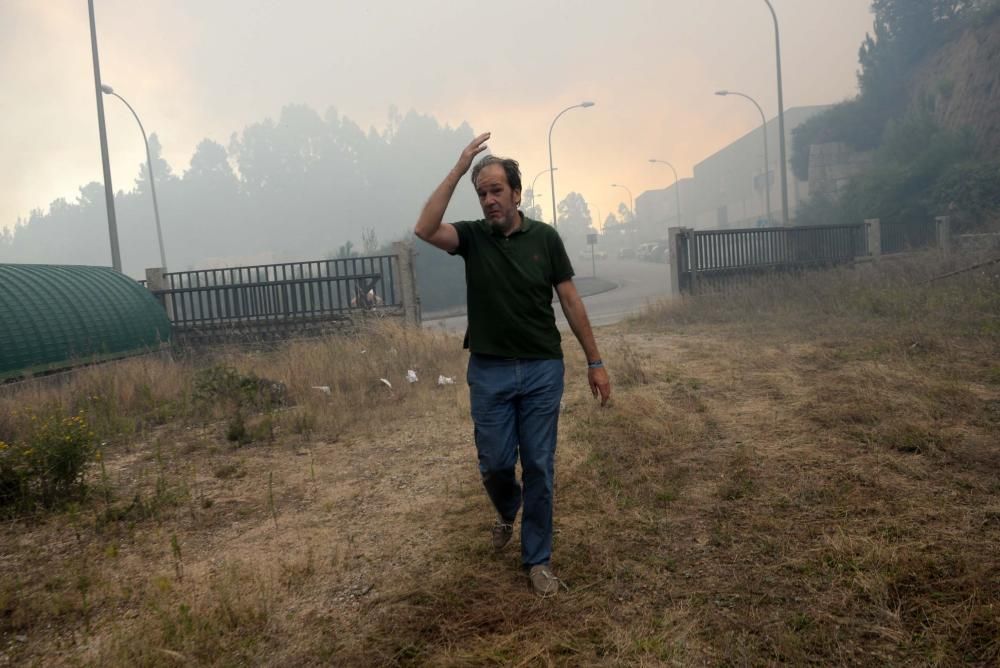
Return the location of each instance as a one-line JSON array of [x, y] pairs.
[[579, 323], [433, 211]]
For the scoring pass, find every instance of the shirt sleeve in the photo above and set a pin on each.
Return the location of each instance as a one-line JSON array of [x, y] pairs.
[[463, 228], [562, 268]]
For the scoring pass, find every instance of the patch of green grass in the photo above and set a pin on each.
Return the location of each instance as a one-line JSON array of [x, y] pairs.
[[737, 482], [228, 624], [230, 470]]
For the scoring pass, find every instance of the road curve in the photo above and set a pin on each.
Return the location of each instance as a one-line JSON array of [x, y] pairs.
[[639, 283]]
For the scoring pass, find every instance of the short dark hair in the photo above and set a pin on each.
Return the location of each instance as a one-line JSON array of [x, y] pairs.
[[510, 168]]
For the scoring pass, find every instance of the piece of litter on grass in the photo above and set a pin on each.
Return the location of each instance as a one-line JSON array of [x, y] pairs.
[[445, 380], [325, 389], [387, 383], [411, 375]]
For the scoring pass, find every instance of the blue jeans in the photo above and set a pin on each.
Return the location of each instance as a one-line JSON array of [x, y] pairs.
[[515, 409]]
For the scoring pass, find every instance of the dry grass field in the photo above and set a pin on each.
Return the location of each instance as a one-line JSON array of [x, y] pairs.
[[806, 471]]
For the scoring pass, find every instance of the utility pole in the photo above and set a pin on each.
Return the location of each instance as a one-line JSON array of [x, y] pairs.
[[109, 192]]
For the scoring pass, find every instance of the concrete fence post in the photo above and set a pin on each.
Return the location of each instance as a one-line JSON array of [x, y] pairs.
[[156, 280], [674, 258], [944, 238], [407, 282], [873, 228]]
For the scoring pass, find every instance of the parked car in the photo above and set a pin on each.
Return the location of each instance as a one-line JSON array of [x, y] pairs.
[[626, 253], [643, 250], [660, 252], [597, 254]]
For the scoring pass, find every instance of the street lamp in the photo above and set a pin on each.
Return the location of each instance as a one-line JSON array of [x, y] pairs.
[[677, 186], [552, 176], [534, 180], [108, 90], [767, 163], [631, 211], [533, 196], [781, 119]]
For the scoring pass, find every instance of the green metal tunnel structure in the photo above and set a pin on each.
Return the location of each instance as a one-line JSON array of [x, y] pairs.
[[55, 317]]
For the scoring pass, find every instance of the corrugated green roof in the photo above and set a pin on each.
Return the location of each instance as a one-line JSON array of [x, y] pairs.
[[56, 316]]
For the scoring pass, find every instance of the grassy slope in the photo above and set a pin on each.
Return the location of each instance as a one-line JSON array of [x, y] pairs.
[[804, 472]]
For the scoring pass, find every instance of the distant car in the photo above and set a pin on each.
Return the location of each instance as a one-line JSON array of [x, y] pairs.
[[597, 254], [644, 250], [659, 253], [626, 253]]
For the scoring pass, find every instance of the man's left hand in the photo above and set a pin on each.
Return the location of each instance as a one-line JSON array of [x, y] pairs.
[[600, 384]]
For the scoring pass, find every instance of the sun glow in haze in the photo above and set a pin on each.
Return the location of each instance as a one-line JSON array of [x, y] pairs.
[[200, 70]]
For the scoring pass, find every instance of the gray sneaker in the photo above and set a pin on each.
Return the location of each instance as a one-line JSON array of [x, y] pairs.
[[501, 533], [544, 581]]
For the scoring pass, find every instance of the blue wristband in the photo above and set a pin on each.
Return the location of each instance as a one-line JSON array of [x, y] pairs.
[[597, 364]]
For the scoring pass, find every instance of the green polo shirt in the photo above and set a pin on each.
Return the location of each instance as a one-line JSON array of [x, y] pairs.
[[509, 283]]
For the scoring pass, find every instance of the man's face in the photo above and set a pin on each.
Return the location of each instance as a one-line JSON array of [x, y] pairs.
[[498, 201]]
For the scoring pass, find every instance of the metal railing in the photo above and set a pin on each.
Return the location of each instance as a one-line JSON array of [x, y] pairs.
[[900, 236], [287, 292], [717, 257]]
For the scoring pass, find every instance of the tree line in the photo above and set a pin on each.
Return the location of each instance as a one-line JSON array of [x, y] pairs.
[[303, 187]]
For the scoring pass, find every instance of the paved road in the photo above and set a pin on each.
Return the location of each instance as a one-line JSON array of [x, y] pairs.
[[639, 283]]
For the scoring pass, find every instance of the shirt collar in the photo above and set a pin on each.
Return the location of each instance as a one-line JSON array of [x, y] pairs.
[[526, 224]]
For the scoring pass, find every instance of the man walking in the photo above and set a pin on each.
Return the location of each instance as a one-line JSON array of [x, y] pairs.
[[515, 373]]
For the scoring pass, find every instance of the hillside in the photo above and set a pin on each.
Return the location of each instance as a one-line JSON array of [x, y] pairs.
[[960, 84]]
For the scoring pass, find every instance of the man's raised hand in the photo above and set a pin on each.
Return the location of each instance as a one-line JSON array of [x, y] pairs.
[[469, 153]]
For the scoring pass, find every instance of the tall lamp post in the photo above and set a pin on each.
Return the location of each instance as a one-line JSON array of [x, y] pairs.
[[767, 162], [593, 261], [631, 210], [552, 176], [677, 186], [108, 90], [534, 180], [109, 192], [781, 119]]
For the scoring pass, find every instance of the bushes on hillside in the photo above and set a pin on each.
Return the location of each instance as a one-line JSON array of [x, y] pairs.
[[915, 176], [970, 191]]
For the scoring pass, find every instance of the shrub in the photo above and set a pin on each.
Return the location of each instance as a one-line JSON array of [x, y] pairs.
[[225, 384], [46, 465], [971, 188]]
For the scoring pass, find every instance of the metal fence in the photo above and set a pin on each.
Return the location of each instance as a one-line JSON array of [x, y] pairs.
[[900, 236], [711, 259], [286, 292]]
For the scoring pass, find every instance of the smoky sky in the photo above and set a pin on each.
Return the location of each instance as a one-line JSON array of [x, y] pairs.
[[195, 69]]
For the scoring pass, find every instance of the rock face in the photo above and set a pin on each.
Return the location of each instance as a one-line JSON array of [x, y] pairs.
[[960, 84]]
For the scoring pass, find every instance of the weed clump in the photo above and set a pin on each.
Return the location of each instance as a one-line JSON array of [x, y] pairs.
[[222, 388], [221, 383], [43, 463]]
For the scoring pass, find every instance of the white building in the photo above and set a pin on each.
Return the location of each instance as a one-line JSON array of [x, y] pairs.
[[729, 187]]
